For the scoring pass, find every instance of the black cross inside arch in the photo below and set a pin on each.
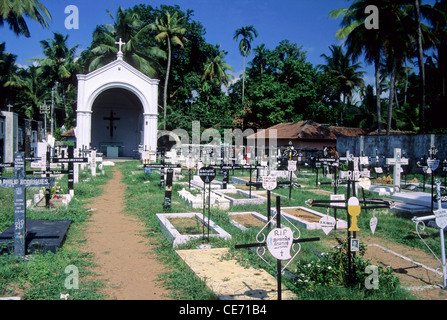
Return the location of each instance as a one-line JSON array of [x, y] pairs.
[[111, 119]]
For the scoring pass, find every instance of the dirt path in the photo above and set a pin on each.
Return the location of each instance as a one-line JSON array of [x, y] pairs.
[[123, 255]]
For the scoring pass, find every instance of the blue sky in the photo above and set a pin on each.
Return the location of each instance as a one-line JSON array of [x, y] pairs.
[[304, 22]]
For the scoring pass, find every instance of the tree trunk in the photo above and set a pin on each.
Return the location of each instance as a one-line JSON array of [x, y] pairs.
[[406, 82], [243, 82], [378, 93], [391, 98], [421, 69], [165, 93]]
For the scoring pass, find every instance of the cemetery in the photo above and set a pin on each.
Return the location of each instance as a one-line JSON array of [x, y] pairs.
[[134, 170]]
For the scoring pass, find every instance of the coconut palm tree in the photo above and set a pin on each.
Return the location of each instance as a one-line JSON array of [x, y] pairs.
[[168, 30], [259, 60], [216, 69], [10, 80], [362, 41], [347, 75], [14, 13], [59, 62], [248, 34], [128, 27]]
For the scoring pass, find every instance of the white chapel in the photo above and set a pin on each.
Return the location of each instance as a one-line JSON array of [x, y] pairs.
[[117, 110]]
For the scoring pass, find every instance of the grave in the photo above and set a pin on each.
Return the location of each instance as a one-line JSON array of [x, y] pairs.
[[240, 197], [228, 279], [177, 238], [20, 183], [397, 161], [413, 202], [308, 218], [215, 184], [196, 200], [245, 220], [41, 235]]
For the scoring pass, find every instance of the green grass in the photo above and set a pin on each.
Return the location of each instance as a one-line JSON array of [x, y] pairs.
[[146, 199], [43, 276]]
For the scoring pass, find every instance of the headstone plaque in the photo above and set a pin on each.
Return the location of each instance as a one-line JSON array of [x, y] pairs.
[[168, 188], [20, 182], [279, 242], [269, 182], [207, 174]]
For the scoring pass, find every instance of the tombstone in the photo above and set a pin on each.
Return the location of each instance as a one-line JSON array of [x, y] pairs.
[[397, 161], [168, 188], [73, 162], [20, 182], [207, 174], [440, 217]]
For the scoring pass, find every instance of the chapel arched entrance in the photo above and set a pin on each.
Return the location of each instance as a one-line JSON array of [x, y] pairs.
[[117, 123]]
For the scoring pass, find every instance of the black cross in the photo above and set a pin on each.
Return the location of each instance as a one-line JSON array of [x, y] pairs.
[[263, 244], [111, 119], [20, 182]]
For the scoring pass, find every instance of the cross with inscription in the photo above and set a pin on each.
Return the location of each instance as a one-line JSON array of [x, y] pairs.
[[20, 182], [71, 160], [111, 119], [275, 247], [397, 161]]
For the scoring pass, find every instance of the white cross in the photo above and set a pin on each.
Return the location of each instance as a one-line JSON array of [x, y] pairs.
[[120, 43], [397, 161], [9, 107]]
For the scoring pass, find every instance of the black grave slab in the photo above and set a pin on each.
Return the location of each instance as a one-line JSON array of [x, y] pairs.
[[42, 235]]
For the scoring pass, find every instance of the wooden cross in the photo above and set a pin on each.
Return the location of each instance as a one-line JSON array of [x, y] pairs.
[[20, 182], [111, 119], [120, 43]]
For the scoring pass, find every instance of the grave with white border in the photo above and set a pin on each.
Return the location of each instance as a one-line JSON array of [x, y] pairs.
[[308, 218], [230, 194], [252, 214], [196, 200], [173, 235]]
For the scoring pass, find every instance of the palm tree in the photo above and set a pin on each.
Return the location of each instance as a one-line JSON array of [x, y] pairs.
[[347, 75], [128, 27], [58, 67], [59, 62], [260, 59], [248, 34], [170, 31], [216, 69], [10, 80], [360, 40], [14, 13]]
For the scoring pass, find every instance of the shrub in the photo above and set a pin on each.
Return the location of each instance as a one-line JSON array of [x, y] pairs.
[[334, 270]]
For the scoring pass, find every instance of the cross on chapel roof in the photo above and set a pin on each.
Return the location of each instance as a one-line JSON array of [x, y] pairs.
[[120, 53]]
